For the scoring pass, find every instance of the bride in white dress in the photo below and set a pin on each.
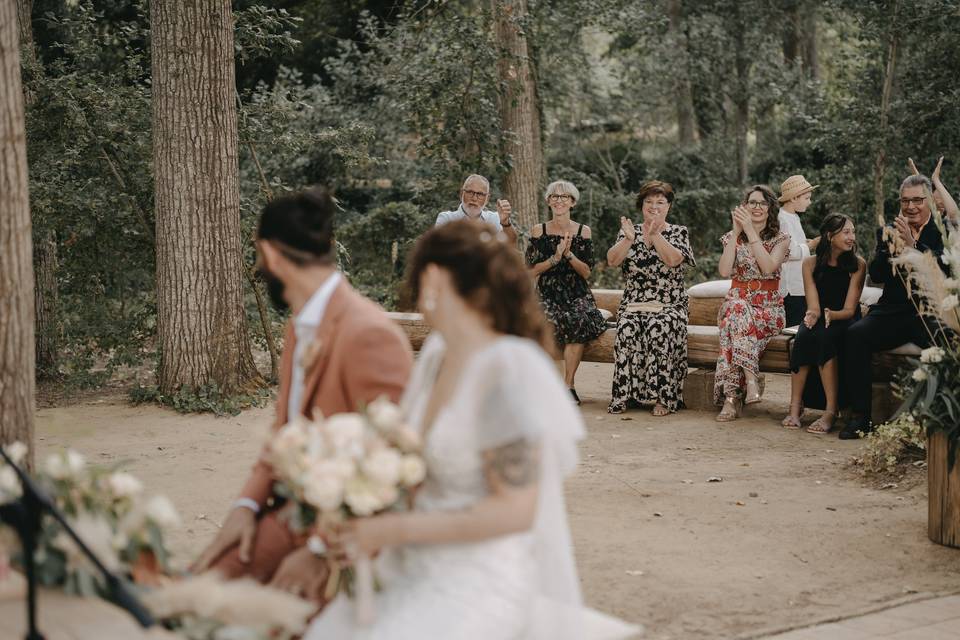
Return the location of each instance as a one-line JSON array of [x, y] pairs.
[[485, 554]]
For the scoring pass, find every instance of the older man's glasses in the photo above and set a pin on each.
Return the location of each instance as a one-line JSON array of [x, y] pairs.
[[757, 204], [480, 195], [559, 197], [917, 202]]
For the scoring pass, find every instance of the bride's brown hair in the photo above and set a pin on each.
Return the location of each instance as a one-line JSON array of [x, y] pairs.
[[487, 272]]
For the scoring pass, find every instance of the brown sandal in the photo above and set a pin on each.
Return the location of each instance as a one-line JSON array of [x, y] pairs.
[[820, 426]]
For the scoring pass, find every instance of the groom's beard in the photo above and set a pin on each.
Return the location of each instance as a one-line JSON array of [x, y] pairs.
[[275, 289]]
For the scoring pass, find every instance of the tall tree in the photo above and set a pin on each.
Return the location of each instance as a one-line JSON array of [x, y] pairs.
[[880, 159], [48, 329], [686, 123], [519, 111], [16, 267], [201, 323]]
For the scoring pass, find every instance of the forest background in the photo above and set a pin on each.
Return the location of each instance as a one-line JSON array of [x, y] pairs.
[[392, 103]]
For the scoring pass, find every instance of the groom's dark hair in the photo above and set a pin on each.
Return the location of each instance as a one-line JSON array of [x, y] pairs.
[[301, 226]]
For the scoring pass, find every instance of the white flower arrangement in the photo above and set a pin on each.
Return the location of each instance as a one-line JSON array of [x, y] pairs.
[[106, 508], [349, 465]]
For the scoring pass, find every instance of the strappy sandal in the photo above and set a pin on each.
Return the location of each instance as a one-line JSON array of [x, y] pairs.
[[616, 409], [660, 411], [754, 398], [820, 426], [791, 422], [730, 410]]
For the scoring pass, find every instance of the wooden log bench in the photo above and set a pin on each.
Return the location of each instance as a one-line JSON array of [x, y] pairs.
[[703, 346]]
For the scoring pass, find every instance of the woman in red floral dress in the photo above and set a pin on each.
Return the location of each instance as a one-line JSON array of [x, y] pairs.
[[752, 313]]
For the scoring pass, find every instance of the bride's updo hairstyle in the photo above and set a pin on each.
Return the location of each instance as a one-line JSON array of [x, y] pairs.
[[488, 274]]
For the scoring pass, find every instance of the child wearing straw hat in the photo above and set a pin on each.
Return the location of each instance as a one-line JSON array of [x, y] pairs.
[[795, 195]]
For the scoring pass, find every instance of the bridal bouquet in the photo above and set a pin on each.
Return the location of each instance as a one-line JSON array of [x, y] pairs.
[[346, 466], [109, 511]]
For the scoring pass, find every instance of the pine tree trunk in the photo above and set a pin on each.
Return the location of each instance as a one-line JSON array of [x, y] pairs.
[[201, 323], [16, 267], [519, 112], [686, 124]]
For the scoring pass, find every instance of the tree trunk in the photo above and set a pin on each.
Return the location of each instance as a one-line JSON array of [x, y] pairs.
[[519, 112], [880, 161], [943, 490], [16, 267], [741, 103], [808, 41], [686, 124], [791, 34], [48, 331], [201, 323]]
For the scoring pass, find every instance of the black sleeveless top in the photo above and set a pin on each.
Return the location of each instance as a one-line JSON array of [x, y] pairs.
[[832, 286]]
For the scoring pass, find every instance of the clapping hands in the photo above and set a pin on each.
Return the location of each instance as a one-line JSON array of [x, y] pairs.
[[563, 246], [652, 226], [628, 228], [741, 220]]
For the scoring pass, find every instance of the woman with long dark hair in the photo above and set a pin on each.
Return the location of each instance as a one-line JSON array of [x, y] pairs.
[[832, 282], [754, 250], [485, 551]]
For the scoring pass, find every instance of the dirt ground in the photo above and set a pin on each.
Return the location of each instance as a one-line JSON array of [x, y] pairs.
[[790, 536]]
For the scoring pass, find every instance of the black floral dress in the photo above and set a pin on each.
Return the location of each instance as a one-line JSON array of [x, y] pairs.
[[650, 353], [565, 296]]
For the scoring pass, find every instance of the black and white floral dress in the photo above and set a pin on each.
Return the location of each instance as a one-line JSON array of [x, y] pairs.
[[564, 295], [650, 353]]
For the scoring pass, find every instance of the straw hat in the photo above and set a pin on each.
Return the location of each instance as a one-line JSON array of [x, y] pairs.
[[793, 187]]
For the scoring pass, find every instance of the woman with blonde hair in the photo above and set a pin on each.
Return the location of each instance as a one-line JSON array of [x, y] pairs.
[[560, 255]]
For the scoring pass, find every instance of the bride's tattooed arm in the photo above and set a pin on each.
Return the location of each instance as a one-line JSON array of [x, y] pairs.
[[515, 464]]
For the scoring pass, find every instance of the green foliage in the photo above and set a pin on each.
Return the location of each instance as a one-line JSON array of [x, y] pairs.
[[205, 399], [378, 244]]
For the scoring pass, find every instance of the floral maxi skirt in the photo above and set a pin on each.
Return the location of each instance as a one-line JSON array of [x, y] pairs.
[[747, 321]]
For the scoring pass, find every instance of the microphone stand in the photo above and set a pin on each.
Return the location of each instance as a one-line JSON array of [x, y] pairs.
[[25, 515]]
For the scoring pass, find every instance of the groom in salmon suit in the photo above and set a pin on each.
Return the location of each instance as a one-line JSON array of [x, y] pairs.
[[341, 351]]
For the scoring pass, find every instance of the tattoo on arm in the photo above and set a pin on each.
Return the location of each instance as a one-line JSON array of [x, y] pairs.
[[517, 464]]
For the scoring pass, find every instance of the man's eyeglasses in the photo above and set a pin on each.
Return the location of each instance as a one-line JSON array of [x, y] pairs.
[[756, 204], [474, 194], [559, 197], [917, 202]]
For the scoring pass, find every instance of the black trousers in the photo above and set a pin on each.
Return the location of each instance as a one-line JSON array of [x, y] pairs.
[[878, 331], [795, 308]]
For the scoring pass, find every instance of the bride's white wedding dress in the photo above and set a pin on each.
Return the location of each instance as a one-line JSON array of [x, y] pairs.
[[522, 586]]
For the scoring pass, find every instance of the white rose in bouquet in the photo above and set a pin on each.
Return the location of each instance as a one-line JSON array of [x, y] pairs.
[[361, 497], [384, 414], [62, 466], [162, 512], [382, 466], [124, 485], [345, 431], [932, 355], [17, 451], [323, 486], [919, 374], [10, 488], [412, 470]]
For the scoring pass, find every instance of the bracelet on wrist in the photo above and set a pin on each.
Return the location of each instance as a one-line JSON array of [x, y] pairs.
[[568, 255]]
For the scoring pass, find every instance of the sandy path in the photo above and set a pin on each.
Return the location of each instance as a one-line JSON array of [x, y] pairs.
[[815, 541]]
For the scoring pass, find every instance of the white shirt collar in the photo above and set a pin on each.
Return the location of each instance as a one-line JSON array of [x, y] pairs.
[[312, 312]]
